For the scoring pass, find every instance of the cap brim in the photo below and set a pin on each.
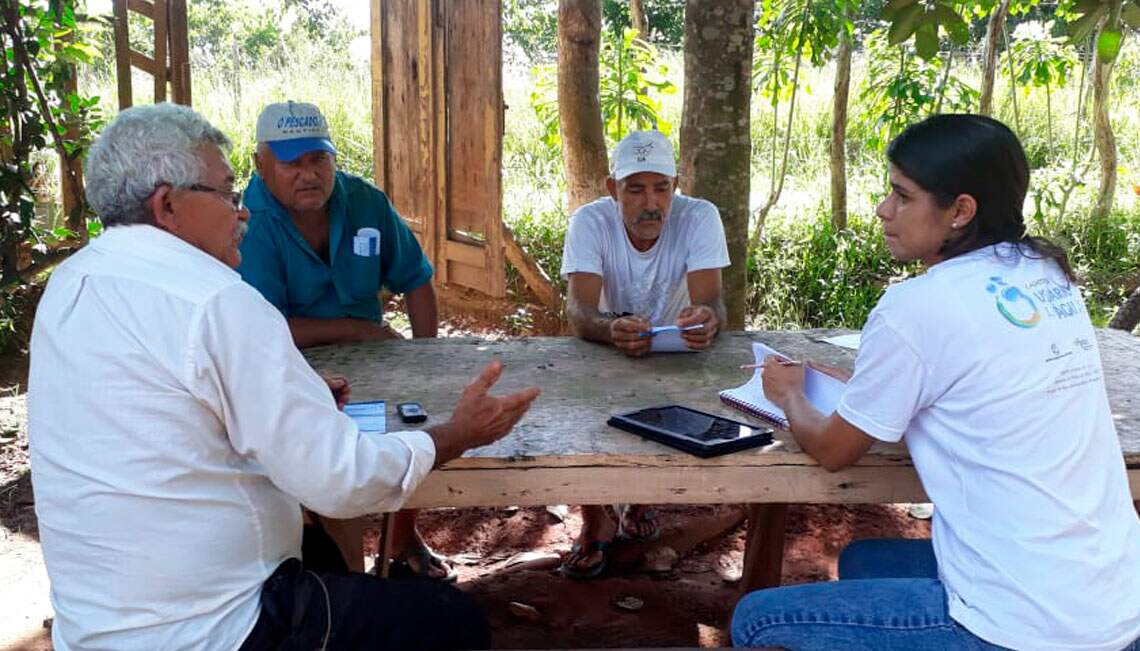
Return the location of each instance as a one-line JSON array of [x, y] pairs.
[[289, 150], [667, 170]]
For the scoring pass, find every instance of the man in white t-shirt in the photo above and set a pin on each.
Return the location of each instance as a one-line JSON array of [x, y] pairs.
[[642, 257]]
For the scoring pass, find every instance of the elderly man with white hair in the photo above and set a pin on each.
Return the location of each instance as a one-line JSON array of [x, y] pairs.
[[175, 431]]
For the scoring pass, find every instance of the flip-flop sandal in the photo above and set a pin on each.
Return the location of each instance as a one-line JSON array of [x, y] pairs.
[[592, 571], [648, 515], [401, 567]]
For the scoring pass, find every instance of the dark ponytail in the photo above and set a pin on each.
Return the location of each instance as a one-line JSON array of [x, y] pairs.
[[950, 155]]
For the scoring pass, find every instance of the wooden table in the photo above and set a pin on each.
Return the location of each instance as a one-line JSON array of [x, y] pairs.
[[564, 453]]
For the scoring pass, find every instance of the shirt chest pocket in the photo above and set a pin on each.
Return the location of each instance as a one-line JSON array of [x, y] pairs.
[[363, 266]]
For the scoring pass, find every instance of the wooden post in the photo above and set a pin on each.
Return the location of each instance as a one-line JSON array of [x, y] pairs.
[[161, 41], [179, 52], [379, 97], [764, 550], [122, 54]]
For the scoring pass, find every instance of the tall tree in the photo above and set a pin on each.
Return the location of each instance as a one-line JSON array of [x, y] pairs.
[[1102, 128], [838, 148], [1108, 18], [580, 110], [994, 30], [639, 19], [715, 137]]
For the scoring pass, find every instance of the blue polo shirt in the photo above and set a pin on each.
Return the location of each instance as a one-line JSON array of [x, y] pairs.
[[277, 260]]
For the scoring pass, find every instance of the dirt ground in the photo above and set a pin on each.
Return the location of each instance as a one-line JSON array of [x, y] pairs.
[[507, 558]]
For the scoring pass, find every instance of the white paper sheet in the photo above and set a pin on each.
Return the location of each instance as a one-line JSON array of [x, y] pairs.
[[667, 339], [850, 341]]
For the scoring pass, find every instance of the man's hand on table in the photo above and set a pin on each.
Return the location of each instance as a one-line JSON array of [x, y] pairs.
[[480, 418], [340, 388], [701, 315], [625, 333]]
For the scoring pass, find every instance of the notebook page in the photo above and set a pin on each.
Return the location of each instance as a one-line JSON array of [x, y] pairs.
[[822, 390]]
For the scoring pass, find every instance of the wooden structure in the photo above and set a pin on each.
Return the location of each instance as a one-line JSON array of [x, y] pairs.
[[171, 61], [437, 124], [437, 121], [564, 453]]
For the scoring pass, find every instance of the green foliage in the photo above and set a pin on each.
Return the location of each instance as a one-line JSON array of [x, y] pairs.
[[785, 28], [1040, 59], [530, 30], [923, 20], [530, 27], [806, 274], [631, 81], [1103, 254], [666, 20], [39, 116], [1104, 18], [900, 89]]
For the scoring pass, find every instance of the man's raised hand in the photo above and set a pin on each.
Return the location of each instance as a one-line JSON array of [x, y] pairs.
[[479, 417]]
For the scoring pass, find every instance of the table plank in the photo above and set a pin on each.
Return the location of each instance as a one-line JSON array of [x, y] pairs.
[[584, 383]]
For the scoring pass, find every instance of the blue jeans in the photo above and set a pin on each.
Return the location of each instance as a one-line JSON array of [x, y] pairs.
[[888, 597]]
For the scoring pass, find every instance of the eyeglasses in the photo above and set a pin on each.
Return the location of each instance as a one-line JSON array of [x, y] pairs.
[[234, 196]]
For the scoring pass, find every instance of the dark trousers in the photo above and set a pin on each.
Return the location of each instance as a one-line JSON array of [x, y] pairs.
[[303, 603]]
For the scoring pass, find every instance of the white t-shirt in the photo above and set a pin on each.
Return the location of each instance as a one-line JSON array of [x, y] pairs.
[[174, 429], [990, 366], [651, 283]]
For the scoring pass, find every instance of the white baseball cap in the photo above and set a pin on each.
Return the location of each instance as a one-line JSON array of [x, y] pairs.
[[643, 151], [292, 129]]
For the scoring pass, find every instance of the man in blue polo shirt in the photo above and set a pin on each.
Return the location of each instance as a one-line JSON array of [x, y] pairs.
[[321, 244]]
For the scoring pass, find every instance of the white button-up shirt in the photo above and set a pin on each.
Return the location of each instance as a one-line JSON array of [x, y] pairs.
[[174, 430]]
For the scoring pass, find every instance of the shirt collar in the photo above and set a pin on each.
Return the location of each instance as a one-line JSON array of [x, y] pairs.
[[152, 243], [337, 207]]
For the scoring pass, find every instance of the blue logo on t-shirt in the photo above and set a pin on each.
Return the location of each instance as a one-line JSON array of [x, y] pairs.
[[1015, 305]]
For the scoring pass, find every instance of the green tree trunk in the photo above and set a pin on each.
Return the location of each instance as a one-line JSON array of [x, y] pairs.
[[579, 106], [1103, 137], [715, 137], [839, 132], [639, 19], [990, 58]]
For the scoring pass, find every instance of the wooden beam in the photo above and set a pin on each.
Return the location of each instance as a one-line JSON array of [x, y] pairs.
[[180, 83], [436, 105], [122, 54], [467, 254], [144, 7], [379, 107], [536, 279], [142, 62], [161, 42], [671, 485]]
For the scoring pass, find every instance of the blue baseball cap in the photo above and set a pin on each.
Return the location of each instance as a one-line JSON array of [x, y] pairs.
[[292, 129]]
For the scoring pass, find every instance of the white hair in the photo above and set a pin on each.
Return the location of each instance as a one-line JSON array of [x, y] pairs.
[[143, 148]]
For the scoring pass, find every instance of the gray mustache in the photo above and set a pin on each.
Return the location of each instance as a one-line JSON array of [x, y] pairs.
[[650, 216]]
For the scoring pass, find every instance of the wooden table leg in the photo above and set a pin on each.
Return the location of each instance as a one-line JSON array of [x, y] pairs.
[[349, 538], [384, 544], [764, 551]]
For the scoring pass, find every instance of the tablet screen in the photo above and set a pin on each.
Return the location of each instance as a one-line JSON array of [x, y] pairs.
[[694, 424]]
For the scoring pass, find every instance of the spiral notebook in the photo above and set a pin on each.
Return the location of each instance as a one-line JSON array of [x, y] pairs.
[[822, 390]]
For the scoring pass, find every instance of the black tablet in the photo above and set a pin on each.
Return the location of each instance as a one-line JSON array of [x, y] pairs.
[[695, 432]]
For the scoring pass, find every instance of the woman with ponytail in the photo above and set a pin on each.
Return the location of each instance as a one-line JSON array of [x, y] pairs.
[[987, 365]]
